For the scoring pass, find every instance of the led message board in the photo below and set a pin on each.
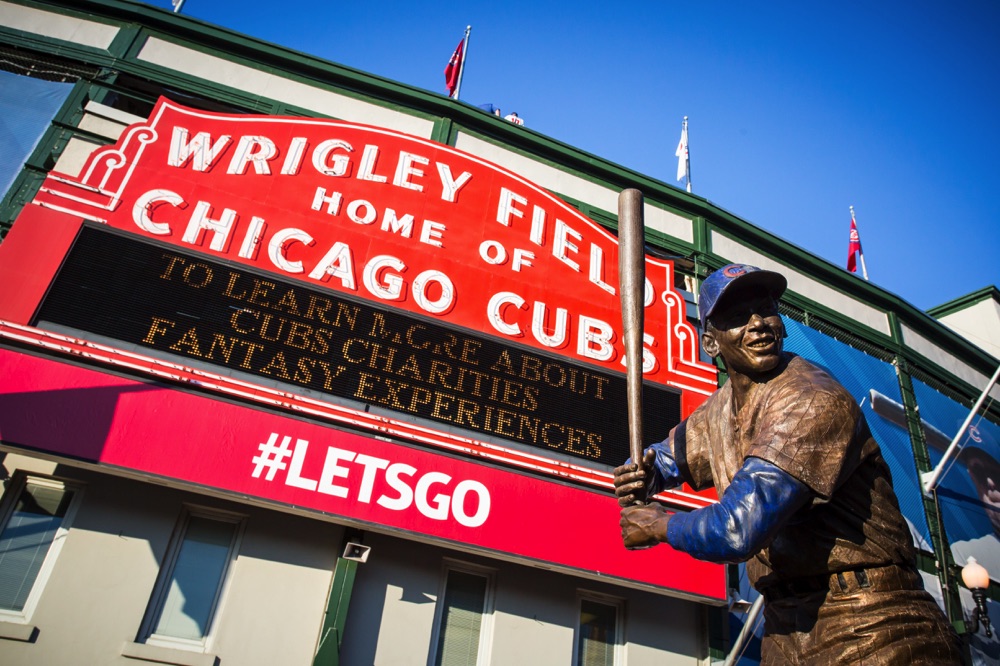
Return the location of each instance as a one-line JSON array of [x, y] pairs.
[[206, 311]]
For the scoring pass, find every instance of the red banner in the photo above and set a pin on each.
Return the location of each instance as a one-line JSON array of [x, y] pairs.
[[151, 429]]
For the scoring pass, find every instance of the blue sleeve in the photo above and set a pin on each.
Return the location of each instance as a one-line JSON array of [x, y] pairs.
[[666, 475], [760, 501]]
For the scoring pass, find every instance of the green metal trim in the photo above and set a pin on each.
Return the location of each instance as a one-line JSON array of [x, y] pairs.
[[444, 132], [609, 220], [964, 392], [125, 41], [337, 604], [191, 84], [964, 302], [676, 246], [839, 280], [837, 319], [944, 563], [311, 77], [717, 636], [701, 235]]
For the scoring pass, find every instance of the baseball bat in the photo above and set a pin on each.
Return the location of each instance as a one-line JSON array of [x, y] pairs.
[[632, 291]]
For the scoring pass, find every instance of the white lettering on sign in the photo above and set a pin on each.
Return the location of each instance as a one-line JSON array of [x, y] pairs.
[[594, 337], [449, 184], [145, 204], [358, 211], [331, 166], [200, 150], [353, 476], [276, 248], [255, 150], [565, 241], [331, 157], [221, 227], [433, 291]]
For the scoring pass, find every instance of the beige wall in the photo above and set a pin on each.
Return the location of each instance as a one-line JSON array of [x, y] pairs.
[[535, 612], [979, 324], [93, 603]]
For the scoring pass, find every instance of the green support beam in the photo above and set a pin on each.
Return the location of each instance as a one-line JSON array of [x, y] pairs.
[[942, 553], [337, 605]]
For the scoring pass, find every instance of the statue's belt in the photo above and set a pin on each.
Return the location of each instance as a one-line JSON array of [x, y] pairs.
[[875, 579]]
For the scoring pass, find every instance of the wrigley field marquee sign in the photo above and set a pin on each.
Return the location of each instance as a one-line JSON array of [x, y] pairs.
[[365, 267], [211, 293]]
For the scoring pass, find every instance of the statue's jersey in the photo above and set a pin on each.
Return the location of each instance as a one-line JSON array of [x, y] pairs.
[[804, 422]]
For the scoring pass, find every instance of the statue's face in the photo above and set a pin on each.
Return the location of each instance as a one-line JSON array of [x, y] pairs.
[[747, 332]]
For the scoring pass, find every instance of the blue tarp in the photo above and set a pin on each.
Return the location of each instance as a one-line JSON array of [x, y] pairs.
[[27, 106]]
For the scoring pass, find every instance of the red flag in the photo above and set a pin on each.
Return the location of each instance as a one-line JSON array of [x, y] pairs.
[[453, 69], [853, 248]]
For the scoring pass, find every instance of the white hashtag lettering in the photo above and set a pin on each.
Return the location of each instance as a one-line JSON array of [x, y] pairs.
[[395, 486], [272, 457]]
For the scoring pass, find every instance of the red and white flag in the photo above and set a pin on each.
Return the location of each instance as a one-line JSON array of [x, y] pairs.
[[454, 69], [854, 248], [682, 153]]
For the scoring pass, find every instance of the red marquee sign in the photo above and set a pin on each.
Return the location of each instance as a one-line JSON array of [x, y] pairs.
[[398, 261], [404, 222]]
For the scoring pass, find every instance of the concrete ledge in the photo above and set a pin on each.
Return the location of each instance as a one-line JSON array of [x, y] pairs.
[[14, 631], [163, 655]]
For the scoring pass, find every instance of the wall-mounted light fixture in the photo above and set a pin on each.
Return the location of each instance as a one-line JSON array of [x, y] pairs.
[[357, 552], [977, 579]]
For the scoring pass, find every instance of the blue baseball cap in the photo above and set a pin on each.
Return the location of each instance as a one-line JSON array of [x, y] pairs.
[[716, 284]]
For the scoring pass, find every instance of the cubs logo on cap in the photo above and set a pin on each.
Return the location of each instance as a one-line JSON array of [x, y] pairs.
[[716, 284]]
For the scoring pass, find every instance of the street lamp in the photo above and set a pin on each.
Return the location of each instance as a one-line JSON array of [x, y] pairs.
[[977, 579]]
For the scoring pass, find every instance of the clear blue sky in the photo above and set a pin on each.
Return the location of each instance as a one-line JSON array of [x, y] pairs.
[[797, 110]]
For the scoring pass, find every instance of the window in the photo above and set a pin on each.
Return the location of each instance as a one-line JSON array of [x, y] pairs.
[[597, 635], [187, 594], [463, 617], [35, 517]]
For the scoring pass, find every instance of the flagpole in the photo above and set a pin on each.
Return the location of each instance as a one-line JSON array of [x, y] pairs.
[[687, 156], [861, 251], [461, 66]]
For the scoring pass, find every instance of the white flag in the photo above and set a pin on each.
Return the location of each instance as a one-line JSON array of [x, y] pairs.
[[682, 154]]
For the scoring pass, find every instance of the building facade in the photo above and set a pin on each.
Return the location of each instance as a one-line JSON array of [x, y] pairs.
[[295, 363]]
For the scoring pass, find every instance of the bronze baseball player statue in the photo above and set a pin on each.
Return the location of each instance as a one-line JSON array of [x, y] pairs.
[[806, 499]]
